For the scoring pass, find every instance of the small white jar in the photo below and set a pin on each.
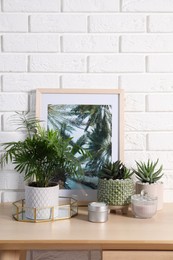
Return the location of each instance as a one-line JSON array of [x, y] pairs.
[[97, 212], [143, 206]]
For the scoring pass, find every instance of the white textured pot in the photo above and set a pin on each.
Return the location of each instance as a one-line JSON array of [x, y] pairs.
[[41, 199], [153, 190]]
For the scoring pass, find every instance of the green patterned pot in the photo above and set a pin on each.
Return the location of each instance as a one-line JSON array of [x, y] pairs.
[[115, 192]]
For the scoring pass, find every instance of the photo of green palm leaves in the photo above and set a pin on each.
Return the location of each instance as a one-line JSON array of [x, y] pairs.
[[90, 127]]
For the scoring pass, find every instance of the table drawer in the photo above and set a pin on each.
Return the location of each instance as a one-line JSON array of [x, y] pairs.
[[136, 255]]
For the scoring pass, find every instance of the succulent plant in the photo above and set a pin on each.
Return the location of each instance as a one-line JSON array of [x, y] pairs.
[[115, 170], [115, 186], [148, 172]]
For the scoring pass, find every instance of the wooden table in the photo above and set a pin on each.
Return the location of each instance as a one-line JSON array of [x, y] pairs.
[[122, 236]]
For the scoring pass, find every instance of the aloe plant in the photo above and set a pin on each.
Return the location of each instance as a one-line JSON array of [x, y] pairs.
[[148, 172], [115, 170]]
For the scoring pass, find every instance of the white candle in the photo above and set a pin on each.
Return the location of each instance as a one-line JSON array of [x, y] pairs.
[[144, 211], [143, 206]]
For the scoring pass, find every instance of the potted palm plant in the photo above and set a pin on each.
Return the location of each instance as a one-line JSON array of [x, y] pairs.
[[115, 186], [149, 175], [40, 157]]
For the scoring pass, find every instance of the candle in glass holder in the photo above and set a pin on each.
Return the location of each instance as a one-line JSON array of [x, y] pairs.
[[143, 206]]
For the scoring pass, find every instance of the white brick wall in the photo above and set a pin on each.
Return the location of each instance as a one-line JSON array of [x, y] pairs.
[[58, 63], [147, 6], [7, 23], [31, 43], [59, 23], [161, 23], [13, 63], [89, 80], [31, 6], [124, 44], [117, 23], [147, 43], [26, 82], [116, 63], [90, 43], [90, 6]]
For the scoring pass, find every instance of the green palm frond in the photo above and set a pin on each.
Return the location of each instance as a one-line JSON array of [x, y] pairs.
[[42, 153]]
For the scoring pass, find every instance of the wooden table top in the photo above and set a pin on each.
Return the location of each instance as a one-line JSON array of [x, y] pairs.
[[119, 232]]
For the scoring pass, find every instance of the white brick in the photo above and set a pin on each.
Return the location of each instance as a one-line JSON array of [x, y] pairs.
[[31, 43], [11, 180], [160, 102], [147, 43], [165, 158], [168, 179], [160, 63], [167, 196], [134, 102], [11, 136], [90, 43], [147, 5], [116, 63], [13, 63], [13, 23], [90, 81], [117, 23], [147, 83], [14, 102], [12, 196], [161, 23], [58, 63], [11, 124], [135, 141], [9, 167], [90, 6], [138, 121], [28, 82], [160, 141], [31, 5], [58, 23]]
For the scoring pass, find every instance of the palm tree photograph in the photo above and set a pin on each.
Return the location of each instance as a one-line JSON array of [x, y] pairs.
[[89, 127]]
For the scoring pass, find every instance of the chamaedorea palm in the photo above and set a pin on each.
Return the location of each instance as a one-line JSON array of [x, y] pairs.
[[42, 154]]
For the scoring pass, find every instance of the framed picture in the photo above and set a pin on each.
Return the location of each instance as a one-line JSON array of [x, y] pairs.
[[94, 120]]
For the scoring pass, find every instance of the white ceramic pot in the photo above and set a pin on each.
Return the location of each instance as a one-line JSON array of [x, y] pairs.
[[153, 190], [43, 200]]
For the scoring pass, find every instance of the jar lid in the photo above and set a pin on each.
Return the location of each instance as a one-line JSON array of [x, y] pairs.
[[97, 206], [143, 198]]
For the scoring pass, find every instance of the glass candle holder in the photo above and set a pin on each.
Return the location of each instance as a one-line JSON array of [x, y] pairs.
[[143, 206]]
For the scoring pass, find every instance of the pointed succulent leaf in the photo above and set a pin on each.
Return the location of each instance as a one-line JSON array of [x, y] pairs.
[[146, 172], [115, 170]]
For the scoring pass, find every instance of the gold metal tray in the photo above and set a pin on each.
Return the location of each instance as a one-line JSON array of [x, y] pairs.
[[67, 208]]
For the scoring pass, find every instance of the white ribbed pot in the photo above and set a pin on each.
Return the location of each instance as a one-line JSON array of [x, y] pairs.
[[40, 201], [153, 190]]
